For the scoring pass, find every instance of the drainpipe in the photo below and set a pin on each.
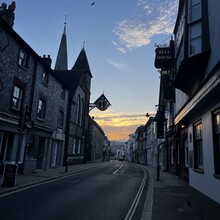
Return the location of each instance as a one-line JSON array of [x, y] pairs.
[[158, 159]]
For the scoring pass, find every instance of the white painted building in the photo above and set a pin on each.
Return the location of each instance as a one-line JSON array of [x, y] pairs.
[[197, 82]]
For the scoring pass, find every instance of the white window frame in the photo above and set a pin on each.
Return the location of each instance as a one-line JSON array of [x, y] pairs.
[[41, 109], [198, 146], [22, 58], [17, 97], [45, 77]]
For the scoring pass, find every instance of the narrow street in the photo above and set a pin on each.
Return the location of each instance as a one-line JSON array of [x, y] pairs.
[[113, 191]]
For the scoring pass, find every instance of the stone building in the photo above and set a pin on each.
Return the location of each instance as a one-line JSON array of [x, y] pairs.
[[78, 81], [96, 139], [33, 103]]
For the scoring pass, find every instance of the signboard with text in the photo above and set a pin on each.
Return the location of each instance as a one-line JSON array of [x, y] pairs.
[[164, 58], [9, 175]]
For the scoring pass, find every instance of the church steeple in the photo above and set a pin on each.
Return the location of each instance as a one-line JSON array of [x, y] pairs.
[[82, 63], [61, 61]]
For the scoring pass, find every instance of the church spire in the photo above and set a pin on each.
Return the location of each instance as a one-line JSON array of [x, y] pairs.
[[81, 63], [61, 61]]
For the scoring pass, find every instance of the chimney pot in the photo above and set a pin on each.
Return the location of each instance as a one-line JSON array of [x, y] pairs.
[[47, 60]]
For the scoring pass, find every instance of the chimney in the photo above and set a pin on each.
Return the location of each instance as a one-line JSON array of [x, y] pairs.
[[8, 13], [47, 60]]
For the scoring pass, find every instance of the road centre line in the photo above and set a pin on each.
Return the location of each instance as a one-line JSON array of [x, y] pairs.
[[118, 169], [137, 198]]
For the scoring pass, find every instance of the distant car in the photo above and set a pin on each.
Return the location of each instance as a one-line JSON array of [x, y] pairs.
[[120, 158], [112, 158]]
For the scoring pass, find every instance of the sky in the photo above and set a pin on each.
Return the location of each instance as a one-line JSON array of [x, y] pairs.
[[119, 37]]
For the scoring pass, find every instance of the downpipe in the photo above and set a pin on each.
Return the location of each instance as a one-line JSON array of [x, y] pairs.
[[158, 160]]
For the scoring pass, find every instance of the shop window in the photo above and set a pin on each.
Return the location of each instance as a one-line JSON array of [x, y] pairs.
[[198, 148], [186, 152], [216, 139]]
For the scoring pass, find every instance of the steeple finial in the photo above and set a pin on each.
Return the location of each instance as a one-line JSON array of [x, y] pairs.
[[64, 32], [61, 61]]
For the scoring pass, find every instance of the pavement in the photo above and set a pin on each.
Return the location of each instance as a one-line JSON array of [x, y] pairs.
[[167, 198]]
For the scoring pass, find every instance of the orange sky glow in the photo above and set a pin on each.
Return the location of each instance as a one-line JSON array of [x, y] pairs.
[[118, 126]]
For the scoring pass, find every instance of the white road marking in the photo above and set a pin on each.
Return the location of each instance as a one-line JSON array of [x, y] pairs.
[[118, 169], [136, 199], [43, 183]]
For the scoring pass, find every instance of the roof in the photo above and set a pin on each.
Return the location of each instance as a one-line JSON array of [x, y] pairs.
[[61, 61], [82, 63], [28, 48], [70, 78]]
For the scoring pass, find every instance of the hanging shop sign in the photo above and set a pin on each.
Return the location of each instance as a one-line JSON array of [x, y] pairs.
[[164, 58], [102, 103]]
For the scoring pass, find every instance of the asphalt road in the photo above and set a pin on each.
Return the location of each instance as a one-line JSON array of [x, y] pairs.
[[115, 191]]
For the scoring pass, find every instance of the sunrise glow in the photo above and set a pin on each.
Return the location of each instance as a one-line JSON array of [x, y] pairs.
[[118, 126]]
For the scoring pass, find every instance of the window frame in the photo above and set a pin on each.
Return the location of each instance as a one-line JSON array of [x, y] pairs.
[[79, 146], [60, 118], [18, 98], [41, 116], [62, 93], [192, 6], [192, 23], [74, 146], [195, 41], [198, 146], [22, 58], [45, 78], [78, 110], [216, 142], [186, 152]]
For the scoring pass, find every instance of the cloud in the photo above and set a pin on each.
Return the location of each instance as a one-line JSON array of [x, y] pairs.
[[121, 49], [117, 126], [117, 65], [158, 17]]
